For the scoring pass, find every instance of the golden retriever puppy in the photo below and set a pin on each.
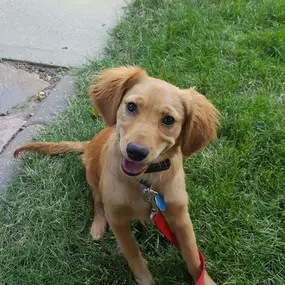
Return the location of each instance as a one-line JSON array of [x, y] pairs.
[[149, 120]]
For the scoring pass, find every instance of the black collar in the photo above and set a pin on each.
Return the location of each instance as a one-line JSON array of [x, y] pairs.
[[155, 167], [159, 166]]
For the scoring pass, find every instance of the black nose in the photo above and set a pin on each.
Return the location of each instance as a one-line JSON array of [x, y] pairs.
[[136, 152]]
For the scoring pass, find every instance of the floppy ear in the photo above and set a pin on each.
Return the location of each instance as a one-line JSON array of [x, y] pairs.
[[110, 87], [200, 124]]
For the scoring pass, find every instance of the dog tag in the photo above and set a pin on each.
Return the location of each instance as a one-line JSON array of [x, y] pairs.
[[160, 202]]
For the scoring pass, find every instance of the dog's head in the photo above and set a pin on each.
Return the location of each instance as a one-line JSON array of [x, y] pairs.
[[154, 119]]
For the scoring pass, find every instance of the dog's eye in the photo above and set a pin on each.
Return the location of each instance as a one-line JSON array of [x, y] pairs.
[[132, 108], [168, 121]]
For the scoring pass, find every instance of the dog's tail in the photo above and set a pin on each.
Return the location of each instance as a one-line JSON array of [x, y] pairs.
[[52, 147]]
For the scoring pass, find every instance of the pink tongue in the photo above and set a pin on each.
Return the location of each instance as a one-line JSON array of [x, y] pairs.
[[133, 167]]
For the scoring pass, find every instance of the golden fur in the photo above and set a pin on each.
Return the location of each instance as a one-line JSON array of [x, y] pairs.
[[117, 196]]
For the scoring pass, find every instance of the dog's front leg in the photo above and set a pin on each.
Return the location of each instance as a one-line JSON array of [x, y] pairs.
[[182, 226], [131, 252]]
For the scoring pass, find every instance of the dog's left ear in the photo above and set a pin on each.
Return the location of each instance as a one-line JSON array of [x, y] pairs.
[[201, 122], [110, 87]]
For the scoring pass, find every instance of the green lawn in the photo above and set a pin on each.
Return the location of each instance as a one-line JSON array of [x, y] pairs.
[[232, 51]]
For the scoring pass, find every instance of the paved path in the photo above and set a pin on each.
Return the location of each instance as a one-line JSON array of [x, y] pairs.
[[63, 33], [19, 126]]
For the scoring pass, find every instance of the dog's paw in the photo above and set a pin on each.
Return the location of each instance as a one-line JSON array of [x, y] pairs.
[[208, 280], [98, 227], [146, 280]]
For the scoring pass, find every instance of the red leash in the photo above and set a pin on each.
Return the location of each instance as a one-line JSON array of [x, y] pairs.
[[163, 226], [158, 205]]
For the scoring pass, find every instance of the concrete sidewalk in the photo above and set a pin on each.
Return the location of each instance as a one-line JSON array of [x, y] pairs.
[[28, 100], [63, 33], [22, 126]]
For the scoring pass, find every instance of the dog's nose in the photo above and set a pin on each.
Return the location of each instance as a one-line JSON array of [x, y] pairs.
[[137, 152]]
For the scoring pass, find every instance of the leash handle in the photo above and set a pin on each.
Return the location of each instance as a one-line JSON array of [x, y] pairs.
[[163, 226]]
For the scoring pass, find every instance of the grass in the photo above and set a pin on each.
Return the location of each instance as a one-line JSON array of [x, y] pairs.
[[232, 51]]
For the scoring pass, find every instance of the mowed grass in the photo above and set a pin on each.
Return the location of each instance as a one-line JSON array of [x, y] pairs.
[[234, 53]]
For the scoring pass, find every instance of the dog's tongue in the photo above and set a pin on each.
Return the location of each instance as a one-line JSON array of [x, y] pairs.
[[133, 167]]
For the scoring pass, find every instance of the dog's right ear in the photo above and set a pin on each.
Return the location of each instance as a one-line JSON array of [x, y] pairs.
[[107, 92], [201, 122]]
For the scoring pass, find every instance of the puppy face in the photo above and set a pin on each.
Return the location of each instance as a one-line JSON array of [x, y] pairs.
[[149, 122], [153, 118]]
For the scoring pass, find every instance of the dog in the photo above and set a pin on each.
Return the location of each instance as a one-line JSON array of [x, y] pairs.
[[148, 121]]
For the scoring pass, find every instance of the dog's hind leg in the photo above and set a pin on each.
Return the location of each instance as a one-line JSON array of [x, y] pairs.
[[99, 221]]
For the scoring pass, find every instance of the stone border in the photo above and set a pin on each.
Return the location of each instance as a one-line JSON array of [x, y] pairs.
[[46, 111]]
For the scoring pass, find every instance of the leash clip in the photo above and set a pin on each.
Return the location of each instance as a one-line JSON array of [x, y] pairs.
[[153, 198], [148, 196]]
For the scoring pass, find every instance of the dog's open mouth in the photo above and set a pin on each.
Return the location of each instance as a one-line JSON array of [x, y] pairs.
[[132, 168]]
